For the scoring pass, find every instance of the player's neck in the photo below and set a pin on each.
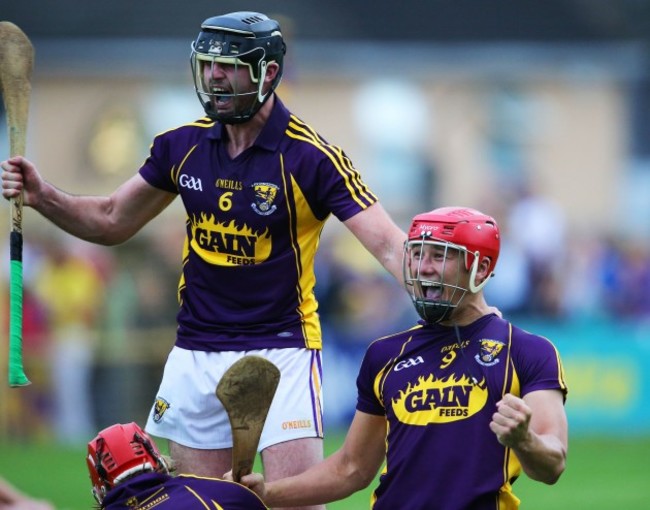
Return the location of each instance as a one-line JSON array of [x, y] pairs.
[[242, 136], [471, 308]]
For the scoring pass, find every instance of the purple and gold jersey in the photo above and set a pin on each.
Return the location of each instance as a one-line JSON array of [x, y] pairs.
[[253, 228], [438, 391], [165, 492]]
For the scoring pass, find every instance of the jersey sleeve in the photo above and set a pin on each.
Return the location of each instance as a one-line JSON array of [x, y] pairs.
[[367, 380], [325, 175], [538, 363], [157, 169], [169, 151], [342, 187]]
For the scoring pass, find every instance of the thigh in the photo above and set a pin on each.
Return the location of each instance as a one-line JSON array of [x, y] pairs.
[[186, 409], [212, 463], [292, 457], [296, 411]]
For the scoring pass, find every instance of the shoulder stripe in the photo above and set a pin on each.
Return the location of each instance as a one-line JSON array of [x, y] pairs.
[[507, 362], [561, 376], [380, 380], [560, 366], [336, 152], [298, 130], [203, 122], [176, 172], [196, 495]]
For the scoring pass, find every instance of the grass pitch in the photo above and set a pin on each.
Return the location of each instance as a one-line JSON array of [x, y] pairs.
[[602, 474]]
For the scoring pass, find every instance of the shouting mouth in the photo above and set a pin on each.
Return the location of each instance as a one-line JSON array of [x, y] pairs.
[[221, 96], [432, 291]]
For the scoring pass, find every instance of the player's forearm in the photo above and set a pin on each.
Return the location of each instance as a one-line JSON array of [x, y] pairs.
[[390, 251], [85, 217], [328, 481], [381, 237], [393, 257], [542, 457]]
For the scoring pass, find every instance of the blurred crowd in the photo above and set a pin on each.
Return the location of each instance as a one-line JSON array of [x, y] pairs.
[[98, 322], [91, 315], [550, 271]]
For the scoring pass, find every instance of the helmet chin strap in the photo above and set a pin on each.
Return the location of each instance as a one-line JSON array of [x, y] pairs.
[[433, 312], [260, 86], [473, 288]]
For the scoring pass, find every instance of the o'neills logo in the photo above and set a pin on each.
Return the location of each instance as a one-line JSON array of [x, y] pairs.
[[296, 424]]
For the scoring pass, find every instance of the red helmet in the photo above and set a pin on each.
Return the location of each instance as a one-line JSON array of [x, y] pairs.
[[117, 453], [468, 230]]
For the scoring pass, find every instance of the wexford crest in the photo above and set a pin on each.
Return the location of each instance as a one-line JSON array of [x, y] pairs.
[[265, 194]]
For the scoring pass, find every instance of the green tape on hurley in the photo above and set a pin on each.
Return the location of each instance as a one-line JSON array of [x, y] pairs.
[[17, 375]]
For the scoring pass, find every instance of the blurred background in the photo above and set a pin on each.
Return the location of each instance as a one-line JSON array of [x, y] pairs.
[[537, 113]]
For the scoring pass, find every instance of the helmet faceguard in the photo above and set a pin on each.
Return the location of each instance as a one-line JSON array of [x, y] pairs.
[[118, 453], [452, 235], [241, 39]]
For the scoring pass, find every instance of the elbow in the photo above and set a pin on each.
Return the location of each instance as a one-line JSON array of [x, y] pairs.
[[558, 467], [551, 478], [546, 462], [548, 477], [111, 234], [106, 239], [354, 472], [364, 480], [551, 474], [359, 476], [365, 473], [113, 240], [556, 473]]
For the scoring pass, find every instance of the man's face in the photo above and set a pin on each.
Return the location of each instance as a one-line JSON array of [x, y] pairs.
[[231, 84], [439, 271]]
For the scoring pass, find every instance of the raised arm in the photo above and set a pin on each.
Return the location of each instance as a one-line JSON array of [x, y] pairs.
[[104, 220], [381, 237], [536, 429]]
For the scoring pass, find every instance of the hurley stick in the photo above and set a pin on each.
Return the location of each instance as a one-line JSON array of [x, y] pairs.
[[246, 390], [16, 63]]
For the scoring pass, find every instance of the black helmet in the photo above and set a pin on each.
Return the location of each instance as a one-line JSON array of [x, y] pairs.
[[244, 38]]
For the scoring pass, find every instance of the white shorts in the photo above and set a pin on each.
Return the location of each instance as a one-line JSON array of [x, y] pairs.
[[188, 412]]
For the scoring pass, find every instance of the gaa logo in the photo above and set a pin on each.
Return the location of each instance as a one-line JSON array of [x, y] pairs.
[[185, 181], [411, 362]]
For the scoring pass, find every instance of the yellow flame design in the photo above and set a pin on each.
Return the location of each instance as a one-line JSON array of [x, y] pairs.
[[226, 244], [433, 400]]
